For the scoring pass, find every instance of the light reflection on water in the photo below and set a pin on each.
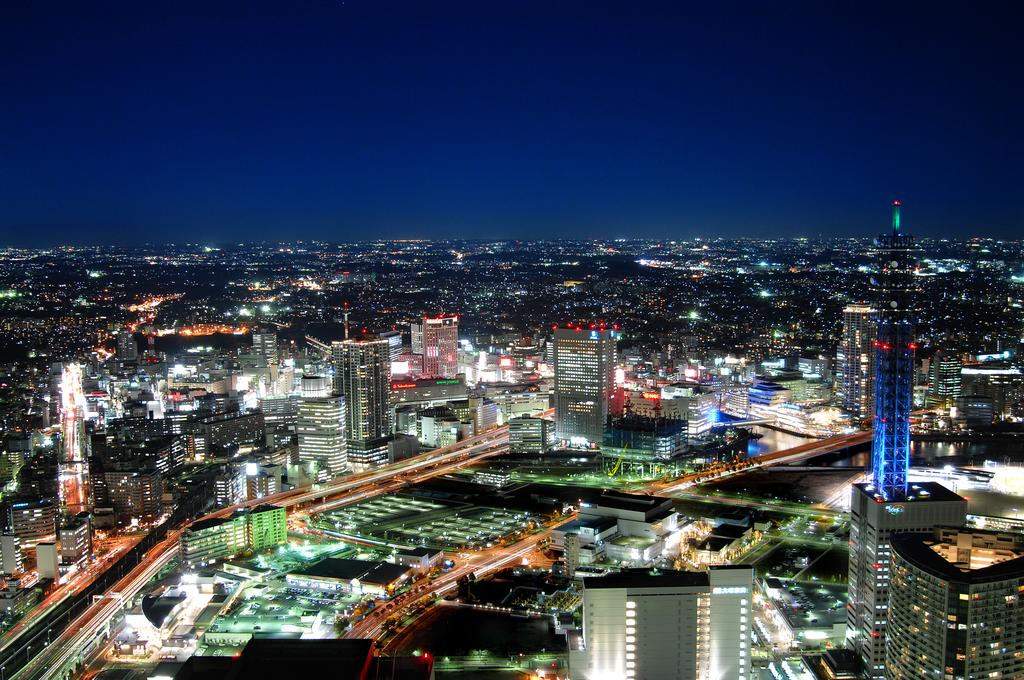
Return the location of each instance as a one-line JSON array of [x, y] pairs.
[[772, 440], [922, 453]]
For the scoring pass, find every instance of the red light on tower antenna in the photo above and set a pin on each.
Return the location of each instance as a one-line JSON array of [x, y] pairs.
[[897, 203]]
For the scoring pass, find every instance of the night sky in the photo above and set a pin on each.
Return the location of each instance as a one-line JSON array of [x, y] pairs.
[[215, 121]]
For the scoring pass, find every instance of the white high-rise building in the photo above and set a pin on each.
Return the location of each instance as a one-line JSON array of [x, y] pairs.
[[584, 379], [394, 339], [671, 625], [855, 362], [229, 485], [873, 521], [321, 426], [11, 556], [264, 344], [955, 606]]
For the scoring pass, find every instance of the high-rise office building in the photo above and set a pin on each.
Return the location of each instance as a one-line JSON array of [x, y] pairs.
[[394, 339], [127, 349], [584, 380], [264, 344], [229, 485], [888, 505], [855, 362], [956, 606], [321, 426], [944, 379], [667, 626], [437, 338], [32, 520], [873, 522], [1000, 381], [12, 560], [416, 337], [362, 374]]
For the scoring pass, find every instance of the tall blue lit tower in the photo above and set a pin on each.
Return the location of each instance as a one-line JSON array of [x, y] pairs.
[[889, 505], [894, 361]]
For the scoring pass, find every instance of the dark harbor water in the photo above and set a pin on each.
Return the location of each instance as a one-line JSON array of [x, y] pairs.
[[1010, 450]]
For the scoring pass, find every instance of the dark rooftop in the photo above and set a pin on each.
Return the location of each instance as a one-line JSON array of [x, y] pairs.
[[201, 524], [345, 570], [419, 552], [629, 501], [278, 658], [921, 491], [647, 578]]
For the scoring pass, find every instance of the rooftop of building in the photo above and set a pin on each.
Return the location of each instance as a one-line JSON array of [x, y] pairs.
[[341, 569], [917, 491], [265, 507], [595, 524], [278, 658], [629, 501], [648, 578], [203, 524], [419, 552], [768, 386], [157, 608], [716, 544], [730, 531], [990, 555]]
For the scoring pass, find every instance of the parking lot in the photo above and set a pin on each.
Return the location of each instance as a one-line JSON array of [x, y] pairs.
[[414, 521]]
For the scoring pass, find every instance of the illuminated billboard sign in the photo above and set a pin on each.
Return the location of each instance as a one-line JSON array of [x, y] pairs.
[[425, 383]]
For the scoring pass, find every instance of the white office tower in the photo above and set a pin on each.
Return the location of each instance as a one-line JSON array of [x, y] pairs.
[[264, 344], [584, 379], [672, 625], [873, 521], [11, 557], [321, 426], [229, 485], [362, 374], [394, 339], [855, 362], [416, 337]]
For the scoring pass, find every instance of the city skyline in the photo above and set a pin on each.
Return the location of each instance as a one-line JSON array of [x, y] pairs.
[[368, 120], [585, 340]]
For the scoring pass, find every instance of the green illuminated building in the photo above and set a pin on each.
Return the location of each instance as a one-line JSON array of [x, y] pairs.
[[267, 527], [222, 538]]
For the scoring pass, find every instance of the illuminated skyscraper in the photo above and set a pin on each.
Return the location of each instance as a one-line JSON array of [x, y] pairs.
[[894, 362], [362, 374], [321, 426], [127, 349], [944, 379], [855, 362], [955, 607], [670, 625], [584, 379], [437, 339], [888, 505], [264, 344]]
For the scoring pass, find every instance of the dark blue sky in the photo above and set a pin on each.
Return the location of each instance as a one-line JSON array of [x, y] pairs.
[[218, 121]]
